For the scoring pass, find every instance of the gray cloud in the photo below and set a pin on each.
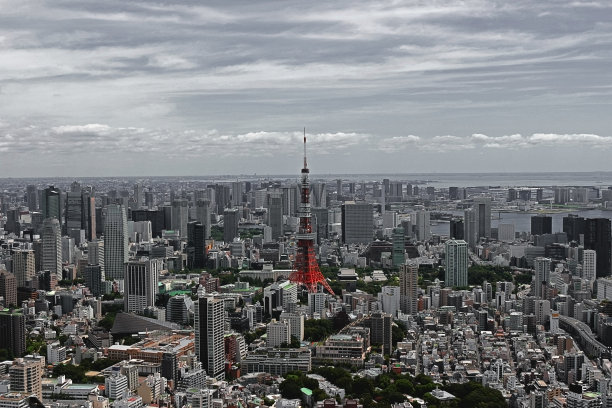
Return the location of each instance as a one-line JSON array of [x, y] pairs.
[[374, 76]]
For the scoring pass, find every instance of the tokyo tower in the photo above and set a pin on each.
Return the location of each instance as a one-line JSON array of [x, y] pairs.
[[306, 269]]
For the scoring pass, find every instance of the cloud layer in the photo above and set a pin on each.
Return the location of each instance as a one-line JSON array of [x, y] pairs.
[[236, 79]]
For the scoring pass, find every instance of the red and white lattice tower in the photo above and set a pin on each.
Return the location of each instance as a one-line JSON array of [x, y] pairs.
[[306, 269]]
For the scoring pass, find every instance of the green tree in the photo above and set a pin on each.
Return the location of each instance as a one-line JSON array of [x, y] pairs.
[[317, 329], [290, 388], [397, 333], [107, 321]]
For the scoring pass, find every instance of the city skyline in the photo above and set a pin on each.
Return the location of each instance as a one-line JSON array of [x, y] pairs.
[[381, 87]]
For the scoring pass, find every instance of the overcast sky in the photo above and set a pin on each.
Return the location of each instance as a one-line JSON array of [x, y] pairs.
[[160, 88]]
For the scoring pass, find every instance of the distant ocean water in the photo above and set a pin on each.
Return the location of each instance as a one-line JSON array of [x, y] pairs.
[[444, 180]]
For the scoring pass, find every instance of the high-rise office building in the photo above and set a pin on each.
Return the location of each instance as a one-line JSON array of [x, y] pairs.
[[149, 199], [13, 224], [231, 217], [24, 265], [95, 253], [318, 196], [422, 225], [196, 244], [237, 190], [457, 229], [222, 197], [598, 237], [595, 234], [541, 224], [8, 288], [275, 214], [320, 223], [399, 246], [156, 217], [381, 331], [573, 226], [409, 274], [94, 278], [482, 210], [209, 325], [180, 216], [505, 232], [141, 281], [68, 245], [470, 230], [139, 195], [52, 247], [456, 262], [203, 216], [542, 275], [396, 192], [589, 265], [74, 211], [115, 242], [32, 197], [357, 223], [13, 332], [51, 205]]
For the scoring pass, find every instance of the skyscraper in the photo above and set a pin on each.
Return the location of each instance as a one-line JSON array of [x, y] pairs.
[[74, 211], [156, 217], [470, 231], [196, 243], [319, 195], [180, 216], [598, 237], [95, 254], [541, 224], [542, 275], [52, 247], [138, 195], [51, 203], [573, 226], [8, 288], [357, 223], [141, 280], [589, 265], [13, 332], [24, 265], [381, 331], [209, 346], [456, 273], [231, 218], [115, 242], [422, 225], [408, 275], [203, 216], [237, 189], [482, 210], [94, 276], [399, 246], [32, 197], [457, 229], [275, 214]]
